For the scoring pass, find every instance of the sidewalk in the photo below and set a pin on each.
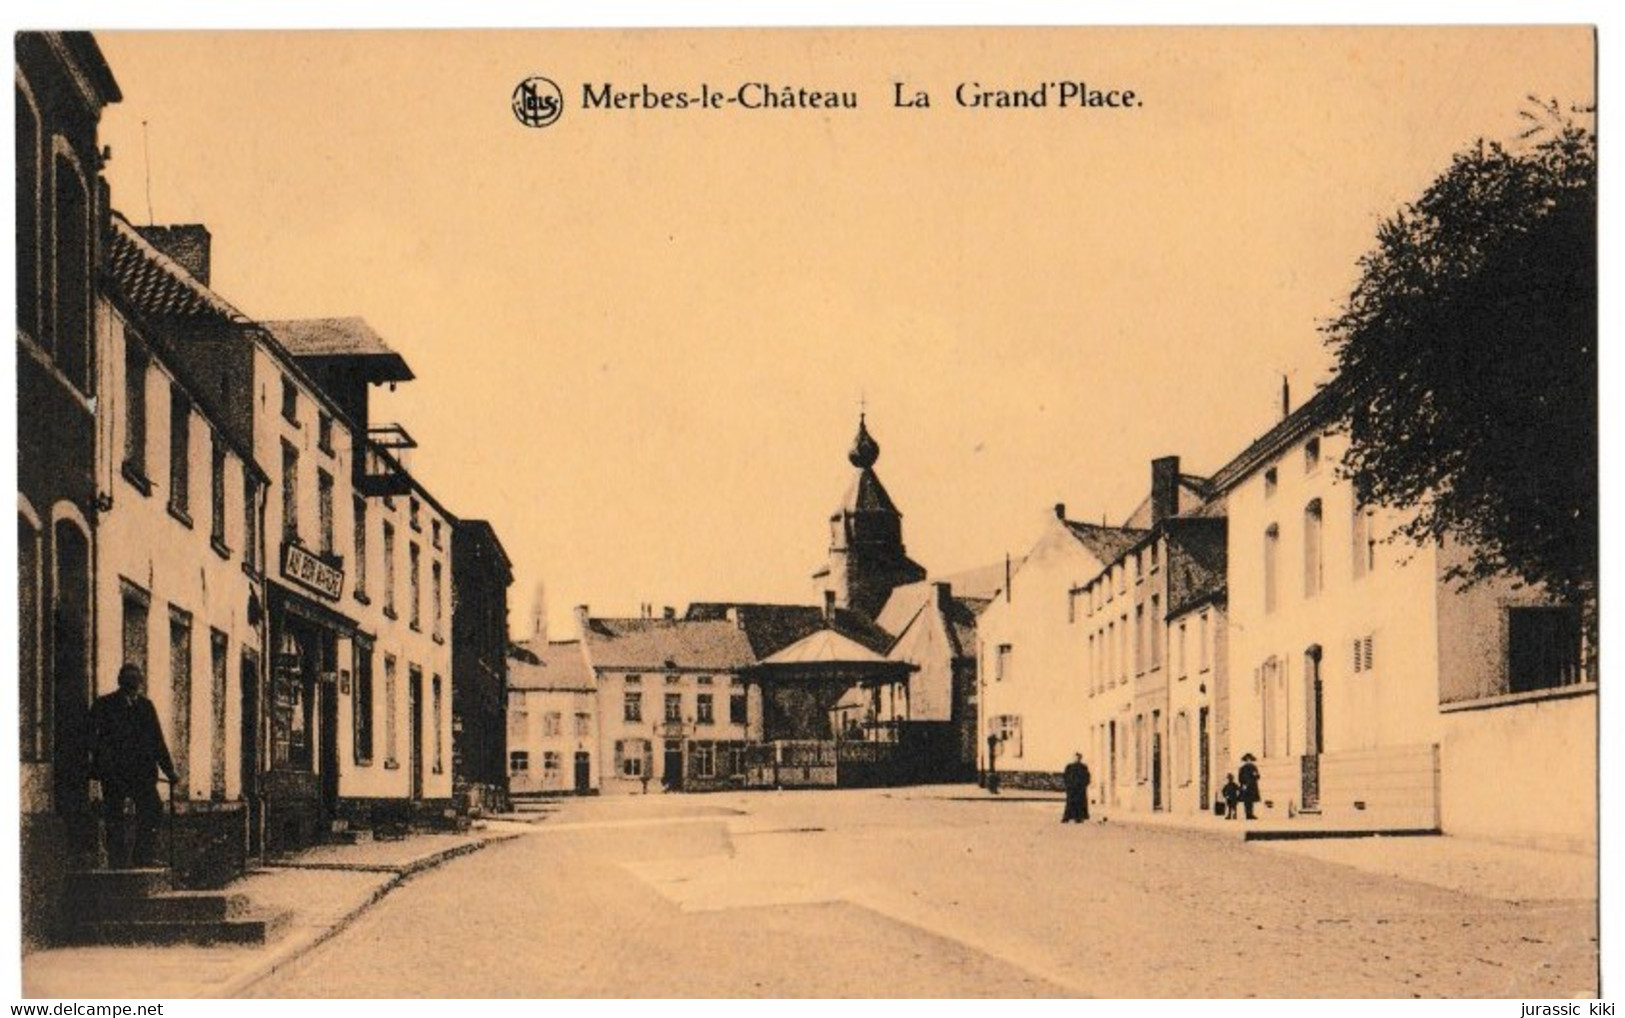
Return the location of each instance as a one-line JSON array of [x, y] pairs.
[[323, 889]]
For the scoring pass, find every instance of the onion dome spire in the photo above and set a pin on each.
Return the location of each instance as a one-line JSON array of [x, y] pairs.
[[865, 450]]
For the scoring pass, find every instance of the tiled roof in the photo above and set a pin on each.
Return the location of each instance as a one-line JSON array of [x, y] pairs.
[[1319, 410], [340, 337], [769, 628], [155, 285], [654, 644], [1105, 543], [908, 603], [983, 581], [1196, 561], [559, 664]]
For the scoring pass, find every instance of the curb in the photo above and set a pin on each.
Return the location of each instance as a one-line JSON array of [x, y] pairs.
[[293, 951]]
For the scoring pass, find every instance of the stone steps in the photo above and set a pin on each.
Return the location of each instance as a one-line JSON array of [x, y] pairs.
[[140, 906]]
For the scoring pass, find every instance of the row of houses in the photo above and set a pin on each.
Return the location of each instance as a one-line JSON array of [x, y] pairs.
[[1263, 610], [208, 496], [1260, 610]]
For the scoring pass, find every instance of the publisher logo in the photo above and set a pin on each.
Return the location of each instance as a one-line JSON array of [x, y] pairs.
[[537, 102]]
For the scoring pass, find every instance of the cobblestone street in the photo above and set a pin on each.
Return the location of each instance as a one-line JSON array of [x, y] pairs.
[[946, 892]]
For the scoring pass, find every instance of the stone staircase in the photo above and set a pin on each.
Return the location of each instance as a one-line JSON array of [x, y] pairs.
[[139, 906]]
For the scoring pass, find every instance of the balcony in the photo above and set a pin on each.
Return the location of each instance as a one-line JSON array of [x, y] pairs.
[[381, 471]]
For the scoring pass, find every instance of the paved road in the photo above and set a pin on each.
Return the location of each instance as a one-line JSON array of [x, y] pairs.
[[911, 894]]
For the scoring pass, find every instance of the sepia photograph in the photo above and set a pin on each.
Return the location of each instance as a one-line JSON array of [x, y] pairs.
[[807, 512]]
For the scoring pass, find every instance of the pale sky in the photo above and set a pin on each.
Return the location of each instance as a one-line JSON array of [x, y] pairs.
[[641, 337]]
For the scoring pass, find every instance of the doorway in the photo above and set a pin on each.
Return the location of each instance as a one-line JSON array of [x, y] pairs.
[[672, 777], [1156, 760], [1203, 764], [249, 753], [414, 707], [1111, 762], [1314, 726], [583, 773]]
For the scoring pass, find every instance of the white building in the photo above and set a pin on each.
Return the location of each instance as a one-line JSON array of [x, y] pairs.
[[552, 720], [1368, 686]]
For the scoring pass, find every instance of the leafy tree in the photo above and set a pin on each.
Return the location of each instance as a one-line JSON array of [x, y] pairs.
[[1467, 358]]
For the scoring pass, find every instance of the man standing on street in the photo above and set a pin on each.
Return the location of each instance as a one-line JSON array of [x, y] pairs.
[[1076, 780], [128, 753]]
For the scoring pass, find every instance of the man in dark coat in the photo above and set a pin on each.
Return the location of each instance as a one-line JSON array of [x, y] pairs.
[[1247, 778], [128, 753], [1076, 780]]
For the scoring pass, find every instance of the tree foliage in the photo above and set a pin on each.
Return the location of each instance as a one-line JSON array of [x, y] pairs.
[[1467, 356]]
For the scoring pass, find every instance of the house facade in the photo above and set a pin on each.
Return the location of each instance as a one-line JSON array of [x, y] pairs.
[[481, 574], [1369, 685], [553, 721], [1032, 657], [62, 83], [180, 574]]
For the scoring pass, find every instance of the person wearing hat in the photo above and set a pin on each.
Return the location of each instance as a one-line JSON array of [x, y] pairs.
[[1076, 779], [128, 752], [1247, 778]]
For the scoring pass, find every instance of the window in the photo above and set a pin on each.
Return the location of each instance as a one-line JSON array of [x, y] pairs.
[[136, 613], [1140, 748], [135, 413], [1008, 729], [1179, 651], [553, 723], [434, 529], [1543, 649], [737, 709], [1154, 629], [324, 432], [439, 725], [290, 494], [672, 678], [703, 710], [583, 723], [1111, 652], [1364, 550], [34, 719], [414, 607], [217, 701], [674, 706], [705, 760], [632, 757], [26, 126], [251, 519], [412, 507], [71, 270], [389, 569], [436, 593], [634, 680], [1122, 647], [180, 679], [1139, 639], [1182, 749], [632, 706], [1090, 664], [1271, 478], [391, 700], [552, 764], [290, 401], [1311, 455], [217, 493], [1272, 541], [518, 761], [1312, 575], [1153, 554], [324, 510], [1203, 641], [703, 680], [180, 460], [362, 712], [1002, 662], [360, 549]]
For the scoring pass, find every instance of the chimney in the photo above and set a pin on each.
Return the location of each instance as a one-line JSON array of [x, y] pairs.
[[1286, 398], [1060, 510], [734, 616], [829, 607], [187, 245], [669, 613], [945, 595], [1164, 488], [581, 619]]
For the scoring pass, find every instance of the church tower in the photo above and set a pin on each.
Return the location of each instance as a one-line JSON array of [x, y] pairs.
[[866, 557]]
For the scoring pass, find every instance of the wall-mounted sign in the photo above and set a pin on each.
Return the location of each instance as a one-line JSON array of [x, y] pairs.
[[303, 567]]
